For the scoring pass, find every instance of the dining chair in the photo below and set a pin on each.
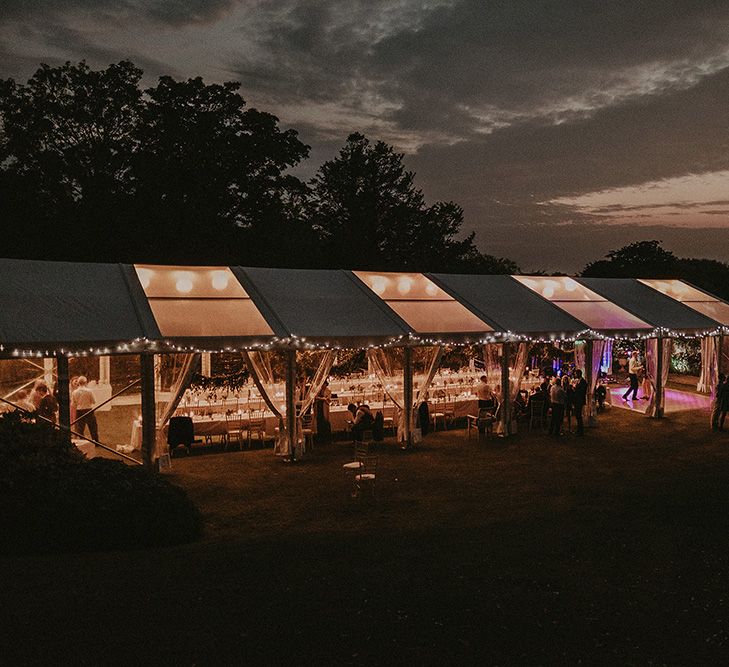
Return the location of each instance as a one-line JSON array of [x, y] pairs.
[[366, 477]]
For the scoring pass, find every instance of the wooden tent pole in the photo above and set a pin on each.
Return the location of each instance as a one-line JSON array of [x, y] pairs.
[[291, 401], [149, 416], [660, 399], [505, 391], [407, 399], [63, 394]]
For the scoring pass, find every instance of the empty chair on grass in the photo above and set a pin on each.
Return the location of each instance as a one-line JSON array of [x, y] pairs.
[[366, 477]]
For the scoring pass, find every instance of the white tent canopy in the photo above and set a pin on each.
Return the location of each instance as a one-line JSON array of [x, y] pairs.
[[52, 307]]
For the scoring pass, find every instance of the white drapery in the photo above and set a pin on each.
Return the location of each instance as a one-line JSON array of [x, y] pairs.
[[176, 379], [492, 354], [517, 366], [598, 351], [709, 365], [431, 357], [387, 363], [656, 403], [311, 390], [492, 365], [261, 370], [580, 354]]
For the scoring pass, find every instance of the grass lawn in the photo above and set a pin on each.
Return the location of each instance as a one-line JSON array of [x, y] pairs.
[[607, 549]]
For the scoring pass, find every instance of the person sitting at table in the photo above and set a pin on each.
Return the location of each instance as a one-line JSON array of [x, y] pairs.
[[520, 404], [363, 421]]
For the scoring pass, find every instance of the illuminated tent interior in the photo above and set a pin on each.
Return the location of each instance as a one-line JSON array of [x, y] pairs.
[[60, 310]]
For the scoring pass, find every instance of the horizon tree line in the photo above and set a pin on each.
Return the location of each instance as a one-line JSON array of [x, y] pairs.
[[95, 168]]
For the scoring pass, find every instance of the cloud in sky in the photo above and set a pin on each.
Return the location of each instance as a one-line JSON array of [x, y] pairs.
[[567, 118]]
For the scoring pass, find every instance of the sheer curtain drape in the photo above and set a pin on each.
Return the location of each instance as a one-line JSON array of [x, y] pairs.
[[311, 389], [651, 355], [387, 364], [428, 359], [175, 379], [492, 365], [709, 364], [517, 368], [598, 351], [260, 367], [580, 355]]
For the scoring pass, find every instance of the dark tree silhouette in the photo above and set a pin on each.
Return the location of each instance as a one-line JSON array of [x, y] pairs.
[[93, 168], [66, 145], [647, 259], [370, 215], [643, 259], [213, 171]]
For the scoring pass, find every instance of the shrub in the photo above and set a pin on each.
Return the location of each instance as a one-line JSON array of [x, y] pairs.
[[53, 499]]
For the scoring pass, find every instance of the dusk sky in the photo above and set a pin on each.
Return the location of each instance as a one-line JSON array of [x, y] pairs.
[[564, 129]]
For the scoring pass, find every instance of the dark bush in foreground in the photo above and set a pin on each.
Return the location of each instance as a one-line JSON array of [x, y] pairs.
[[53, 499]]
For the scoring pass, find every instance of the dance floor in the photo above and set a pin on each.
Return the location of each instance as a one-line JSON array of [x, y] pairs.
[[676, 400]]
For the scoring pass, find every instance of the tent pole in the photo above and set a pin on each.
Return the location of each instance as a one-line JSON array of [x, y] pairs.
[[505, 391], [407, 399], [291, 401], [720, 356], [63, 395], [149, 417], [589, 365], [659, 378]]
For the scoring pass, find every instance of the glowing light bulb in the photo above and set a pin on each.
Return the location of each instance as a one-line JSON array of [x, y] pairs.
[[220, 280], [570, 285], [184, 282], [145, 276], [431, 289], [548, 291], [404, 285], [378, 284]]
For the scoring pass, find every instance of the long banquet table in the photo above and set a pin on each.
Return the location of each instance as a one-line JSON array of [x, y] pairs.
[[216, 424]]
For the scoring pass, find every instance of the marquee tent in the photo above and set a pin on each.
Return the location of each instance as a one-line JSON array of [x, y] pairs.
[[58, 309]]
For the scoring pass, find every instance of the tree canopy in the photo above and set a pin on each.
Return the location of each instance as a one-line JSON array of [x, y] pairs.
[[93, 167], [647, 259], [369, 214]]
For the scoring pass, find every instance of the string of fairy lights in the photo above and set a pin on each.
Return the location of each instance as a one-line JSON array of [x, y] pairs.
[[172, 346]]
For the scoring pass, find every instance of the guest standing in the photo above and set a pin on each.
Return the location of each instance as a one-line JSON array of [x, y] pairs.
[[483, 392], [579, 400], [46, 405], [83, 400], [568, 396], [321, 408], [556, 400], [634, 368]]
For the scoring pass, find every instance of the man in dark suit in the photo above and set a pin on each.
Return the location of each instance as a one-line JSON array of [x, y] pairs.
[[579, 400]]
